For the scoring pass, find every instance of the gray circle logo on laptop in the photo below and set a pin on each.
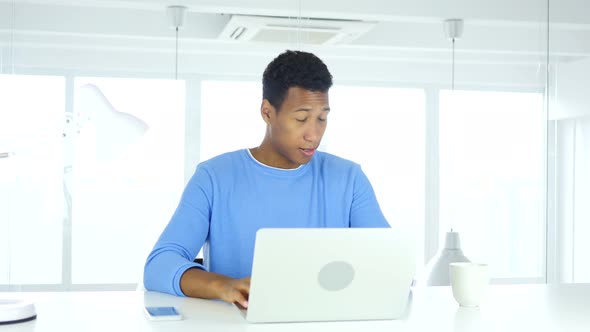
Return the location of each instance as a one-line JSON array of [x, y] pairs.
[[336, 276]]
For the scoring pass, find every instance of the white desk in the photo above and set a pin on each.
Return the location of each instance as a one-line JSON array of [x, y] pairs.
[[529, 308]]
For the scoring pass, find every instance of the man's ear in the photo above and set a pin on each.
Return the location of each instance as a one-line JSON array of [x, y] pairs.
[[267, 111]]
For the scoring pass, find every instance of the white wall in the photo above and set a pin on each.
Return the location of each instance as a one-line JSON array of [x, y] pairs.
[[571, 97]]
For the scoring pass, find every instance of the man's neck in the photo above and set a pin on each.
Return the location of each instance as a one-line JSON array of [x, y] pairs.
[[266, 155]]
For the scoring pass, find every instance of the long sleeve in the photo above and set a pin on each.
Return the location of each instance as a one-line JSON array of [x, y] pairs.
[[365, 210], [182, 239], [230, 197]]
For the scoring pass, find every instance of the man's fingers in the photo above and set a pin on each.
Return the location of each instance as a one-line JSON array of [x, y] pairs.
[[240, 298], [237, 291]]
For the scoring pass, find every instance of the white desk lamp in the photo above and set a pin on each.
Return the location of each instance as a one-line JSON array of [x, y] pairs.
[[114, 131]]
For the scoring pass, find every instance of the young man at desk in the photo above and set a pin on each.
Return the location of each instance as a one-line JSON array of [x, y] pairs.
[[284, 182]]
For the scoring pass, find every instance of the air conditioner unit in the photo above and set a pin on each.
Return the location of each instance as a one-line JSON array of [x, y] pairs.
[[273, 29]]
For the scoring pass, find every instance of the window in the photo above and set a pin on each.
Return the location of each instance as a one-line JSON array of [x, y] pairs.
[[383, 129], [104, 193], [31, 177], [126, 179], [84, 199], [229, 124], [491, 178]]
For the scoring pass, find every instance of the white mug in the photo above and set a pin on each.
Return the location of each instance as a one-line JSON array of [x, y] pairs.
[[469, 282]]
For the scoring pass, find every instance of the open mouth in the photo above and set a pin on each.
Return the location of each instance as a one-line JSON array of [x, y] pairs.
[[308, 152]]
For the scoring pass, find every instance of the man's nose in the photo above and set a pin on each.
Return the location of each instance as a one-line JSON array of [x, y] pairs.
[[313, 132]]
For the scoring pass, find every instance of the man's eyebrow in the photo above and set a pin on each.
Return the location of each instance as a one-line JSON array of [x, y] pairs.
[[327, 109]]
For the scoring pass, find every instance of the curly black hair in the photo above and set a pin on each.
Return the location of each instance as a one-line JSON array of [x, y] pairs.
[[290, 69]]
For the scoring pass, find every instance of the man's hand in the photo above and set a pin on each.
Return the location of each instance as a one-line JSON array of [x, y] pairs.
[[207, 285], [235, 291]]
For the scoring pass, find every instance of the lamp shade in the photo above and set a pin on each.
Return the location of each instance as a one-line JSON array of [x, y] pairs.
[[437, 270], [113, 130]]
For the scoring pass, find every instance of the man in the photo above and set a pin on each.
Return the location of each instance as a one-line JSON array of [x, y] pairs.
[[284, 182]]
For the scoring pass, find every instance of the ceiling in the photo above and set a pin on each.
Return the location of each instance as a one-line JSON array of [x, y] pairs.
[[36, 33]]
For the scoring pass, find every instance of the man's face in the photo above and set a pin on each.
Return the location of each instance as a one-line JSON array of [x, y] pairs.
[[295, 131]]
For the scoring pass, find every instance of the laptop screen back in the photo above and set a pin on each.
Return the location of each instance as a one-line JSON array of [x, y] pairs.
[[330, 274]]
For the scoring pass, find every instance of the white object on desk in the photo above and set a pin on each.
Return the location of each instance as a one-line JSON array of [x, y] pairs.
[[469, 282], [16, 311], [330, 274]]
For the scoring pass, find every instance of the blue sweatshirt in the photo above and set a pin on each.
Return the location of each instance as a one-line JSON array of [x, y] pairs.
[[233, 195]]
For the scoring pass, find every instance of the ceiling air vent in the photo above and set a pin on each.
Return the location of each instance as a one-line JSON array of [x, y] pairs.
[[273, 29]]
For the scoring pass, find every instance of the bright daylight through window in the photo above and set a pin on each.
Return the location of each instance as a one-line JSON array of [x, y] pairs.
[[491, 178], [103, 178]]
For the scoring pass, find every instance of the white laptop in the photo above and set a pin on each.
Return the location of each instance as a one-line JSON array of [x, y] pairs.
[[330, 274]]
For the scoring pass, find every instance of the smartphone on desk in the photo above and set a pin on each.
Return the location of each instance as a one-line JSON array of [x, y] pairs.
[[162, 313]]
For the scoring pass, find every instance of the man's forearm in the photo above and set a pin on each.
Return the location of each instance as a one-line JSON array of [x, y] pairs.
[[202, 284]]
